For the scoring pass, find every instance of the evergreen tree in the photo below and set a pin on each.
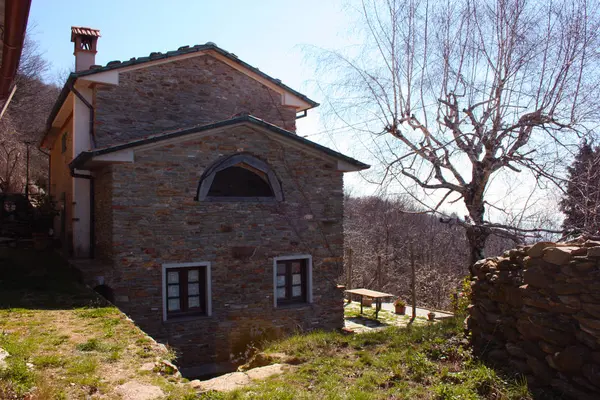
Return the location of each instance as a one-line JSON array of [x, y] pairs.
[[581, 204]]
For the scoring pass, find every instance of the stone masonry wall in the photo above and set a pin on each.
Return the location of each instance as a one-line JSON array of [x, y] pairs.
[[103, 214], [156, 221], [181, 94], [536, 310]]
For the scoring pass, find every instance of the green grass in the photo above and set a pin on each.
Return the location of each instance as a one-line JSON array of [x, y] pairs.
[[63, 340], [430, 361]]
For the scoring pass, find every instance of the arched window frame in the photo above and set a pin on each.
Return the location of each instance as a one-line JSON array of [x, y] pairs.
[[208, 176]]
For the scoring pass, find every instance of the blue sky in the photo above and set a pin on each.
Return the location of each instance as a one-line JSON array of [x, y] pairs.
[[268, 34], [272, 35]]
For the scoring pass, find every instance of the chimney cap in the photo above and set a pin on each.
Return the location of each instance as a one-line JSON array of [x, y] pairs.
[[83, 31]]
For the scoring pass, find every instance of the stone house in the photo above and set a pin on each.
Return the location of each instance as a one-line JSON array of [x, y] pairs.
[[187, 198]]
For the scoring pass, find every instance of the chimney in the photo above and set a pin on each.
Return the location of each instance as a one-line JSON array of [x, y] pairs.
[[85, 40]]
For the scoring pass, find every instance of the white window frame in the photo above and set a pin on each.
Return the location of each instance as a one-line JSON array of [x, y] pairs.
[[309, 267], [207, 266]]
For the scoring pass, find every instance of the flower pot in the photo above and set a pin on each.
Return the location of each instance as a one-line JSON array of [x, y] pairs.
[[431, 316], [367, 301], [400, 309]]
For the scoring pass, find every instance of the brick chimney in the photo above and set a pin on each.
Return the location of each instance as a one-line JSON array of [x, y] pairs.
[[85, 40]]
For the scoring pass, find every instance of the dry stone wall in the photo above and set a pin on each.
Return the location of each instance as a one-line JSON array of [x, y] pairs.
[[536, 310]]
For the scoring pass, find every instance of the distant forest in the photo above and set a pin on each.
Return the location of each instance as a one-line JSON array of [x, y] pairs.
[[384, 236]]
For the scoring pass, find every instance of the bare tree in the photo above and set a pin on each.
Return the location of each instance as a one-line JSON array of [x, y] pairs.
[[456, 92], [9, 160], [408, 243], [24, 121]]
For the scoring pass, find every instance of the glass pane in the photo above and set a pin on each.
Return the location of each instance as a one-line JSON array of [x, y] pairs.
[[280, 269], [296, 267], [173, 277], [173, 304], [193, 275], [281, 293], [296, 291], [193, 289], [296, 279], [193, 301], [281, 281], [173, 291]]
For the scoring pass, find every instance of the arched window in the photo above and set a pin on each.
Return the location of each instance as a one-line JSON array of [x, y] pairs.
[[239, 177]]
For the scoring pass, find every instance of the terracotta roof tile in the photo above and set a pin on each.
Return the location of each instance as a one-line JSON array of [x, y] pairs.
[[82, 30]]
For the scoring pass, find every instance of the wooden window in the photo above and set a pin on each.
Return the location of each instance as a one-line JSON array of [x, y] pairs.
[[291, 281], [240, 181], [239, 177], [186, 291], [64, 142]]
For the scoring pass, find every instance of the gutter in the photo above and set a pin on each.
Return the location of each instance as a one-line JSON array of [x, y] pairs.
[[92, 113], [15, 23], [87, 155], [92, 210]]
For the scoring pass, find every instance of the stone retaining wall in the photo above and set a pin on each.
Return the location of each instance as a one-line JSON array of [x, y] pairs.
[[536, 310]]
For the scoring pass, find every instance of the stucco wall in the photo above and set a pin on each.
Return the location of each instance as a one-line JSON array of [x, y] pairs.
[[181, 94], [156, 220], [61, 180], [536, 310]]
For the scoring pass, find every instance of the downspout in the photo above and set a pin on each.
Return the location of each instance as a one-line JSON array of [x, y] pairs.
[[92, 113], [89, 177], [92, 210], [304, 114]]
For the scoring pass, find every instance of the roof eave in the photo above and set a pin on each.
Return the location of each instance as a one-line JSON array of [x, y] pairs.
[[80, 161], [64, 93], [141, 60]]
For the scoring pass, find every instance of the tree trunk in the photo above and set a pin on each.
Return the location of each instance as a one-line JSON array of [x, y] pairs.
[[477, 235], [413, 284]]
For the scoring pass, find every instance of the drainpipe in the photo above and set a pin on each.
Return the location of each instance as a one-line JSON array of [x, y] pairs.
[[304, 114], [92, 113], [92, 210], [89, 177]]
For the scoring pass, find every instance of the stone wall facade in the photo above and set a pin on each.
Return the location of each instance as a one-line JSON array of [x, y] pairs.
[[181, 94], [536, 310], [103, 214], [154, 220]]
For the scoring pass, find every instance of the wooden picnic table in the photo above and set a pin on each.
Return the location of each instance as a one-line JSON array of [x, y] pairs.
[[378, 296]]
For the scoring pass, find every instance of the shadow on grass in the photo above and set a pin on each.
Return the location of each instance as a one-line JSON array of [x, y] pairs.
[[41, 280], [368, 322]]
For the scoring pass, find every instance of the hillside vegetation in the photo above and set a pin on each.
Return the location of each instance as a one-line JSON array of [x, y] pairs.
[[423, 362]]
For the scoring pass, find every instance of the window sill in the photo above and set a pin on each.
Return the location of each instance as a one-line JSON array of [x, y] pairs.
[[238, 200], [293, 306], [188, 318]]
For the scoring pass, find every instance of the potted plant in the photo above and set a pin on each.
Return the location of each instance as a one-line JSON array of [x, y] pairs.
[[400, 306], [431, 315], [367, 301]]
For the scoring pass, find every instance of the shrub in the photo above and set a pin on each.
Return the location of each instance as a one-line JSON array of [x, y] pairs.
[[462, 298]]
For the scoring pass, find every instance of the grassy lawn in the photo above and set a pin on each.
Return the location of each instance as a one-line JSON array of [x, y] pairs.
[[385, 317], [64, 340], [428, 361]]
